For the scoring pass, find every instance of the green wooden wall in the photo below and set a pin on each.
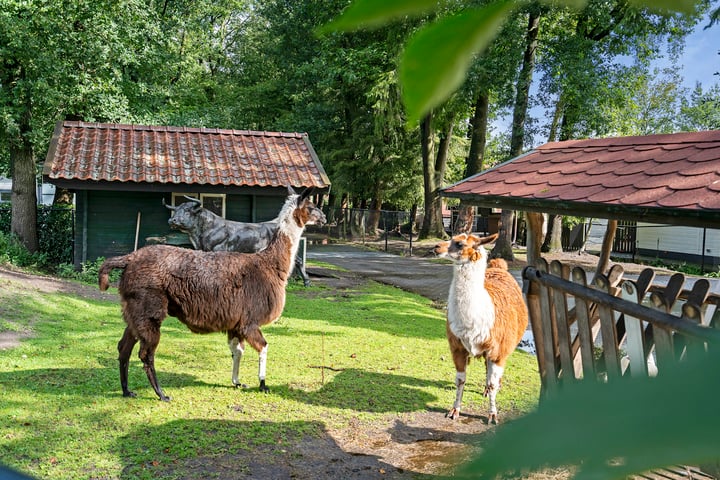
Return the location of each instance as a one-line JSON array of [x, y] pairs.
[[106, 221]]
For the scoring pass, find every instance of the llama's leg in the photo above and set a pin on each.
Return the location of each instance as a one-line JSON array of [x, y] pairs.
[[237, 348], [149, 341], [461, 359], [125, 347], [492, 385], [256, 340]]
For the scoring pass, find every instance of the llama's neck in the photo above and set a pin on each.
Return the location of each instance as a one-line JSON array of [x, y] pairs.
[[284, 246], [471, 272], [471, 313]]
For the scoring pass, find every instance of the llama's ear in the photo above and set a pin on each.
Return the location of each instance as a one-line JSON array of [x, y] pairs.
[[291, 190], [306, 193], [489, 239]]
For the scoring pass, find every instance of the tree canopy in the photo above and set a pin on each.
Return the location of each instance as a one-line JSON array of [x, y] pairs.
[[304, 66]]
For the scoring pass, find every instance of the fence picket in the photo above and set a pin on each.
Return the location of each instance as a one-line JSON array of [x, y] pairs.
[[585, 335], [633, 328], [608, 331], [561, 321]]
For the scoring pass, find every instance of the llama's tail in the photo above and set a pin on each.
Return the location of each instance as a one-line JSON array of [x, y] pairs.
[[497, 263], [107, 266]]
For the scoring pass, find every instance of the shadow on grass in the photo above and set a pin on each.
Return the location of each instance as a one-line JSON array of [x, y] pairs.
[[351, 389], [365, 391], [90, 382], [202, 449]]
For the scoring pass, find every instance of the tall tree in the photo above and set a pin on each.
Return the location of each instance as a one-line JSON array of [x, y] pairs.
[[701, 110], [503, 245], [493, 75], [57, 58], [434, 161]]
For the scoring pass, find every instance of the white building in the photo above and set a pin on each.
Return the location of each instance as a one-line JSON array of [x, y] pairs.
[[45, 191]]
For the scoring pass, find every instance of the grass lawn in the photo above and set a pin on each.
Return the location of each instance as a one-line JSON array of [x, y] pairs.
[[62, 415]]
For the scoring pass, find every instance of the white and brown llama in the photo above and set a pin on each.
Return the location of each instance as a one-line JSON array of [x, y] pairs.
[[486, 314], [209, 292]]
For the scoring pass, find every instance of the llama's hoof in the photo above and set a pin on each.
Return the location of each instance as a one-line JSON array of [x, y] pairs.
[[453, 414], [129, 394], [493, 419], [263, 387], [165, 399], [240, 385]]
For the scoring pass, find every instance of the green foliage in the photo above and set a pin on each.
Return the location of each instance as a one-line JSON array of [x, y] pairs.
[[373, 13], [429, 78], [88, 273], [613, 430], [55, 233], [448, 56], [55, 238], [701, 111], [14, 252]]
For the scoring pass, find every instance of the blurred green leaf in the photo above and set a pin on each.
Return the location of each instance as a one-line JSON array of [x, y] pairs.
[[578, 4], [373, 13], [684, 6], [438, 56], [613, 430]]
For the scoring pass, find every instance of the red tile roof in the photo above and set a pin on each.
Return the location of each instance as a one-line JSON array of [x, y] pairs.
[[100, 152], [673, 175]]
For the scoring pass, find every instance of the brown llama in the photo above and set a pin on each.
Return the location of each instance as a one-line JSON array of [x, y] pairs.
[[486, 314], [209, 292]]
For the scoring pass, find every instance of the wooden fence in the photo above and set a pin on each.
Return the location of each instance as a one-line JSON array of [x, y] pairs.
[[611, 326]]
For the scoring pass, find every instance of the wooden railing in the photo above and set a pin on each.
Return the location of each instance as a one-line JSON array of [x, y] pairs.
[[612, 327]]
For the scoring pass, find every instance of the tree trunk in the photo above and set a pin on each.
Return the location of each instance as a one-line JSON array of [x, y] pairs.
[[522, 96], [373, 220], [24, 196], [553, 238], [413, 216], [608, 239], [433, 173], [503, 245], [475, 158], [357, 223], [534, 237]]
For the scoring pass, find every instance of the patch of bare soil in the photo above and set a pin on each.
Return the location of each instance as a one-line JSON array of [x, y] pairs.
[[14, 282]]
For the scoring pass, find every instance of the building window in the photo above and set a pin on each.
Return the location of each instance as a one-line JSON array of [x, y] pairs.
[[215, 202], [5, 196]]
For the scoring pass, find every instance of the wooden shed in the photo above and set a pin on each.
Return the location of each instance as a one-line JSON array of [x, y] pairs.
[[121, 174]]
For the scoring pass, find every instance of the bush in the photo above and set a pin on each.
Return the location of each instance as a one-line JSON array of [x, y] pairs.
[[88, 273], [15, 253], [55, 238], [55, 233]]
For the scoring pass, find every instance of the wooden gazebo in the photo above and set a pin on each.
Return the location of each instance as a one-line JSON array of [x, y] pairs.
[[639, 326]]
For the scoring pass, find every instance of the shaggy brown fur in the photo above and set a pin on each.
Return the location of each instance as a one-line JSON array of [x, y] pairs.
[[228, 292]]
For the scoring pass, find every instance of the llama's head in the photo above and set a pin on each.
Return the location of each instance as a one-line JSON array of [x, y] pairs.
[[299, 211], [464, 248]]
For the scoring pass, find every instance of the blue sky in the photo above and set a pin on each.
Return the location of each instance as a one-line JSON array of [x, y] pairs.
[[700, 59]]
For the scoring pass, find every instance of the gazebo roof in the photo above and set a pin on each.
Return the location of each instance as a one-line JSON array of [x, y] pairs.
[[669, 178]]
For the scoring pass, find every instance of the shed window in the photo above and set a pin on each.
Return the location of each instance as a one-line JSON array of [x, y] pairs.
[[215, 202]]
